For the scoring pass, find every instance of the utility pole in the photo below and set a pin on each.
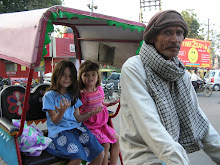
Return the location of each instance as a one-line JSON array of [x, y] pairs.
[[91, 6], [149, 4], [208, 30], [211, 58]]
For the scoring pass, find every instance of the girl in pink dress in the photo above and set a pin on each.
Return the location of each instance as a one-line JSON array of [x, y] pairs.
[[92, 96]]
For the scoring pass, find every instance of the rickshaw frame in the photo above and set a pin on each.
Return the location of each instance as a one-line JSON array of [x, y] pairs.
[[90, 31]]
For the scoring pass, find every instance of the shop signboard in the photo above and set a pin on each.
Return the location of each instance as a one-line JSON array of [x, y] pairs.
[[195, 53], [63, 47]]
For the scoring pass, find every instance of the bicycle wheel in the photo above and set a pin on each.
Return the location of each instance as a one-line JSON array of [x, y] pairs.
[[207, 92]]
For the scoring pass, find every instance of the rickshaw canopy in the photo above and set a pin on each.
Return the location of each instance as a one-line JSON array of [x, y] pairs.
[[100, 38], [23, 38]]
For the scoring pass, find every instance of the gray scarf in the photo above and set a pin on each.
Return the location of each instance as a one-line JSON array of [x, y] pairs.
[[178, 114]]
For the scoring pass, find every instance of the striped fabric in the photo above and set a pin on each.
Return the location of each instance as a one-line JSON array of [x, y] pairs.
[[97, 124], [92, 99]]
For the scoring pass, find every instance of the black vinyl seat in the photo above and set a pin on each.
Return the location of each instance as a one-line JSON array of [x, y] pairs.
[[11, 104]]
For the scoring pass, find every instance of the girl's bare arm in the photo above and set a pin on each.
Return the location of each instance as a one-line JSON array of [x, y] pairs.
[[107, 104], [83, 117]]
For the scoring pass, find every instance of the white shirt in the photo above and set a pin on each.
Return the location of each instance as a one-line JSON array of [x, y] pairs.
[[195, 77], [143, 138]]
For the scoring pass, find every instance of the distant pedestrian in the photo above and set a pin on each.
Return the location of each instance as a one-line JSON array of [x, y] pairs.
[[195, 78]]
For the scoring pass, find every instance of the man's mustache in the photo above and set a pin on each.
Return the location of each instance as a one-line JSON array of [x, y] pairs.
[[173, 46]]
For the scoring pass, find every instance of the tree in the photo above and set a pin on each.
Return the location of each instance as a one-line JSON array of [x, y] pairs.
[[214, 37], [210, 33], [202, 31], [7, 6], [192, 22]]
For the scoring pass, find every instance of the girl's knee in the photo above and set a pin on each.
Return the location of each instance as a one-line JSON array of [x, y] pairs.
[[106, 146], [117, 137], [101, 155], [116, 145], [74, 162]]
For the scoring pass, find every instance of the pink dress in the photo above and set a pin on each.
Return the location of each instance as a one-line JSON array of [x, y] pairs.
[[97, 124]]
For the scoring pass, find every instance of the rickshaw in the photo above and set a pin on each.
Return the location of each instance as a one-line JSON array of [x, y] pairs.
[[100, 38]]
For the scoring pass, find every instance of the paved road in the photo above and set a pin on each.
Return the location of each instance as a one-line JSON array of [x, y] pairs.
[[211, 107]]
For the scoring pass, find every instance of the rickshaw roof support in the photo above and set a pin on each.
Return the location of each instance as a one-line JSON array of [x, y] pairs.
[[26, 99]]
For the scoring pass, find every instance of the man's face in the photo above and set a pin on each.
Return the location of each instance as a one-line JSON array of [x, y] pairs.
[[168, 41]]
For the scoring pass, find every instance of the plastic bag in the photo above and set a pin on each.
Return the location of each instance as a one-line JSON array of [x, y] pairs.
[[32, 141]]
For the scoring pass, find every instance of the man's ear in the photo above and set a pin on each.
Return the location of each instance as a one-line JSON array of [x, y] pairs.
[[152, 40]]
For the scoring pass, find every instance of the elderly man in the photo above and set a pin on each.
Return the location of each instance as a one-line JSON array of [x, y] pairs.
[[161, 120]]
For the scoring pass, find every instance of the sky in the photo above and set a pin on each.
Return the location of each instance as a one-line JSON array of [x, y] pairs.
[[130, 9], [207, 11]]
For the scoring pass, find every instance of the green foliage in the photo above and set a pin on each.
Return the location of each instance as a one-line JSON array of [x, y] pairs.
[[218, 61], [211, 33], [192, 22], [58, 31], [8, 6], [202, 31], [214, 37]]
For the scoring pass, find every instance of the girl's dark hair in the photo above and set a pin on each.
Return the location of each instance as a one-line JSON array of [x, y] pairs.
[[73, 89], [87, 66]]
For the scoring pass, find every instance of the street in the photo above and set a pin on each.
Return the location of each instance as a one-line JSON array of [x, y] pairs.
[[211, 107]]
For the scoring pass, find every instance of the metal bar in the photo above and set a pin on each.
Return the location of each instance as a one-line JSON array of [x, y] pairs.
[[108, 40], [78, 46], [42, 37], [150, 1], [116, 112], [18, 151], [26, 99], [120, 157], [149, 6], [68, 24]]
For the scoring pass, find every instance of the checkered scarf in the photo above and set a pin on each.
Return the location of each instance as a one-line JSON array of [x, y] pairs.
[[178, 114]]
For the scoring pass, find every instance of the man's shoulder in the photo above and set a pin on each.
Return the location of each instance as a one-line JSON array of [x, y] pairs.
[[133, 65], [133, 61]]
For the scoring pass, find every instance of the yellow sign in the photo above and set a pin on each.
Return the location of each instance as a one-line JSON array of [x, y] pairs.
[[195, 53], [42, 66]]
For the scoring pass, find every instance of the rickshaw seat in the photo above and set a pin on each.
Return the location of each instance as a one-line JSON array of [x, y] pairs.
[[44, 159], [35, 101], [11, 104], [12, 98], [7, 126]]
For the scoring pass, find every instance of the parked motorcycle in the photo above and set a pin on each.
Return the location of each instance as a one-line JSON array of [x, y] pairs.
[[20, 82], [108, 90], [4, 81], [203, 87]]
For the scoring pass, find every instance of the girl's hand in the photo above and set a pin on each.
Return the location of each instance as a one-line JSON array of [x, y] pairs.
[[64, 105], [116, 101], [111, 103], [85, 116], [56, 117], [96, 110]]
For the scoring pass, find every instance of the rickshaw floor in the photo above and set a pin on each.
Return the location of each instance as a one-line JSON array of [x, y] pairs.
[[44, 159]]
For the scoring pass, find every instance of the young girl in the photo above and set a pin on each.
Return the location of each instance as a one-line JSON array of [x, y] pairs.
[[92, 96], [70, 139]]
